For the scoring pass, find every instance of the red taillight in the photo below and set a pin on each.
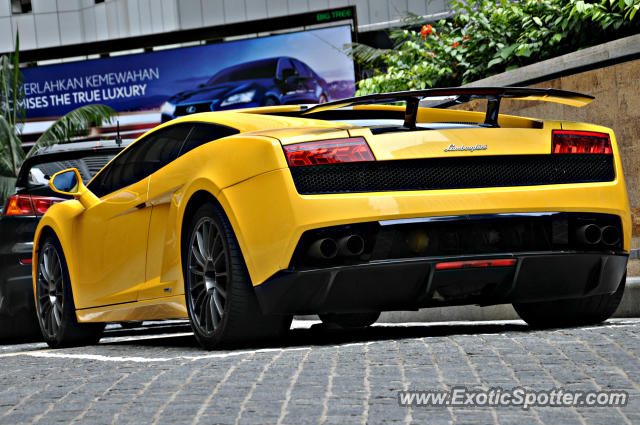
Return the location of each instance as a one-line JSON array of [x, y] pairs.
[[475, 263], [565, 141], [29, 204], [19, 205], [42, 203], [334, 151]]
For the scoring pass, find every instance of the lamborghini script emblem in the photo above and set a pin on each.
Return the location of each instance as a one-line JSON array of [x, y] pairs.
[[453, 147]]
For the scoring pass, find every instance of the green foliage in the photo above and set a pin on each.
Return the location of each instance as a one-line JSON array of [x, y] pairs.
[[486, 37], [11, 118], [12, 114], [74, 123]]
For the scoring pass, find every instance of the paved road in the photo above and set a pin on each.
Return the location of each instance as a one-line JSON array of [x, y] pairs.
[[160, 376]]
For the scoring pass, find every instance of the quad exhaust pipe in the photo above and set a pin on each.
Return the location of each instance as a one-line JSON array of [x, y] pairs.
[[325, 248], [589, 234], [610, 235], [592, 234], [350, 246], [328, 248]]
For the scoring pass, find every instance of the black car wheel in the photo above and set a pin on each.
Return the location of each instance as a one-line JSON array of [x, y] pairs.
[[55, 307], [269, 101], [220, 300], [350, 320], [571, 312]]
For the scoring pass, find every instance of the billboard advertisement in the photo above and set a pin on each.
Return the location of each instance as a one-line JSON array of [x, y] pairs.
[[301, 67]]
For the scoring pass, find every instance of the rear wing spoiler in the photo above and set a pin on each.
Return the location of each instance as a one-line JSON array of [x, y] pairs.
[[456, 95]]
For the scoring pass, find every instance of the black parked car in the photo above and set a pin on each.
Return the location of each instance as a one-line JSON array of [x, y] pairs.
[[19, 219], [274, 81]]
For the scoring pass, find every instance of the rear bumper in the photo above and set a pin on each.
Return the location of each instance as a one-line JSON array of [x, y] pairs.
[[16, 246], [269, 216], [16, 291], [415, 283]]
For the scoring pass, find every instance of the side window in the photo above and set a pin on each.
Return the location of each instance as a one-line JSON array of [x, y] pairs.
[[285, 69], [303, 70], [143, 158], [204, 133]]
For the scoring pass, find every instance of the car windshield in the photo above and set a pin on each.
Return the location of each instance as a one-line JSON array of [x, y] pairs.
[[88, 165], [248, 71]]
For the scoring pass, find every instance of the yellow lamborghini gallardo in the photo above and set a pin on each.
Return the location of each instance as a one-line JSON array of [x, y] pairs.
[[239, 220]]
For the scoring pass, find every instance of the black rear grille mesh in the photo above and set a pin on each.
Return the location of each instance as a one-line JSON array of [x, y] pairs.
[[453, 173]]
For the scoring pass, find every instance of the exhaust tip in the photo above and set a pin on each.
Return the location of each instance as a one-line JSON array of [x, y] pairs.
[[325, 249], [351, 245], [589, 234], [610, 235]]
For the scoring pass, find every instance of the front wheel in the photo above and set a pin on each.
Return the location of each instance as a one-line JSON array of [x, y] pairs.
[[571, 312], [220, 300], [54, 301]]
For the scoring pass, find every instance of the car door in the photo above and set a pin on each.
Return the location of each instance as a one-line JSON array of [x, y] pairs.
[[308, 84], [290, 85], [112, 235], [163, 262]]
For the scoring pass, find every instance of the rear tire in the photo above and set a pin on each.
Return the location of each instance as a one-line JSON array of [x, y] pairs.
[[571, 312], [220, 299], [350, 320], [269, 101], [54, 301]]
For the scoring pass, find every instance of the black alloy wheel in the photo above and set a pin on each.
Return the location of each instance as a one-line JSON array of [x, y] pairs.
[[222, 305], [208, 275], [50, 291], [54, 301]]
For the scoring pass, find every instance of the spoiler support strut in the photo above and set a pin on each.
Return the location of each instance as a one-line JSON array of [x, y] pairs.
[[493, 110]]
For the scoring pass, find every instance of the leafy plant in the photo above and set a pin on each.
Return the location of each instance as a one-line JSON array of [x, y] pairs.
[[486, 37], [12, 115]]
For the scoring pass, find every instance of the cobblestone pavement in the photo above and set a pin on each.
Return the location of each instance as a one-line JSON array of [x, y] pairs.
[[160, 376]]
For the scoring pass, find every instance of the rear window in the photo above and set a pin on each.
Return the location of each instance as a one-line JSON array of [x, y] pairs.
[[88, 165]]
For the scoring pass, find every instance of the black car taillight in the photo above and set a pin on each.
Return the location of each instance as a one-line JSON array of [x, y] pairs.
[[28, 204], [565, 141], [354, 149]]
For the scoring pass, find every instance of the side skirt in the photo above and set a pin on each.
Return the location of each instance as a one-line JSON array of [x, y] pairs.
[[154, 309]]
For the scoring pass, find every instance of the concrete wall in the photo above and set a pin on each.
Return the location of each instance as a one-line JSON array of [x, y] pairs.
[[62, 22]]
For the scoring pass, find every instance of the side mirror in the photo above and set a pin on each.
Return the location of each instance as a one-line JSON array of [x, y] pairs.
[[66, 182], [69, 182]]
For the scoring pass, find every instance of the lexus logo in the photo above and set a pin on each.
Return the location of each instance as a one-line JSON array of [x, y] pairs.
[[191, 109]]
